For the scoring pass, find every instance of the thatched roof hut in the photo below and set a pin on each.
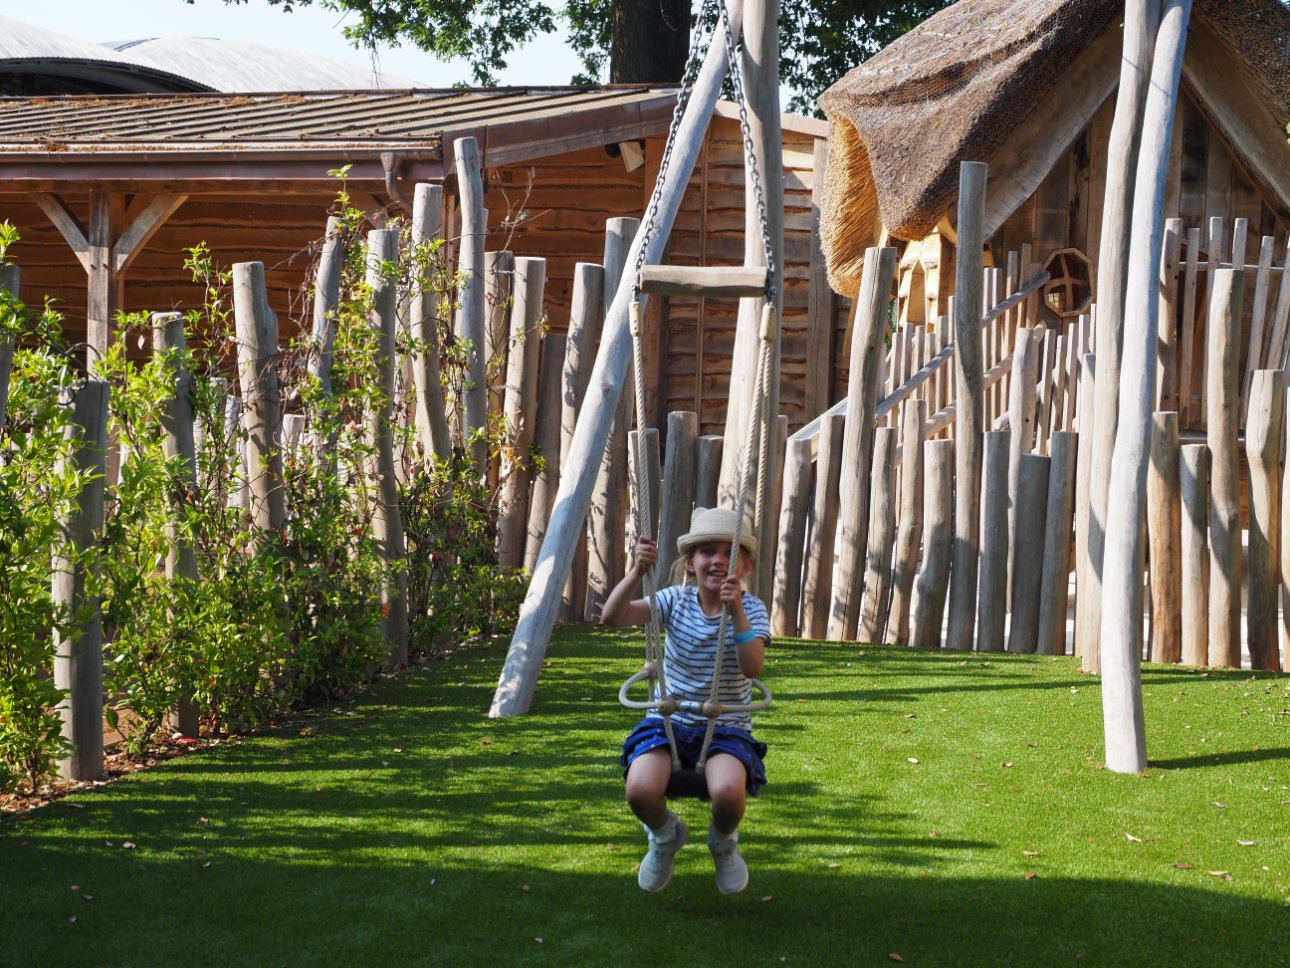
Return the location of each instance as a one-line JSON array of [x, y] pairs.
[[1022, 84]]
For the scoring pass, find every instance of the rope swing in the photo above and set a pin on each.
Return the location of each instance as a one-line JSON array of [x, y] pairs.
[[713, 282]]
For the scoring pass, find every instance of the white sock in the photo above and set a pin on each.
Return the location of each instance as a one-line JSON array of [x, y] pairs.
[[668, 830]]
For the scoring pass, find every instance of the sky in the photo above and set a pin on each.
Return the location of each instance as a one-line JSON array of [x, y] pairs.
[[308, 29]]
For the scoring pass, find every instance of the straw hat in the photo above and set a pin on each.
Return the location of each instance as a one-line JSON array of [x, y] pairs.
[[715, 524]]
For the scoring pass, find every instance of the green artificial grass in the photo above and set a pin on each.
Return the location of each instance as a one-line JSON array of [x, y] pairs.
[[928, 808]]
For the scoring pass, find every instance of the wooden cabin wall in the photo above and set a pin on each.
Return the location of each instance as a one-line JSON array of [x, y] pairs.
[[1205, 180], [699, 335]]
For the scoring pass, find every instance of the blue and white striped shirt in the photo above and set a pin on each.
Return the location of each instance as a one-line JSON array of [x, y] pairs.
[[690, 653]]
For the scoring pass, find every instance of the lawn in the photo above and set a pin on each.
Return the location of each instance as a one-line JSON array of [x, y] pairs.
[[928, 808]]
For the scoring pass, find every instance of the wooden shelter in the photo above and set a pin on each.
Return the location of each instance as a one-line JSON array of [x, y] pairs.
[[1028, 86], [130, 182]]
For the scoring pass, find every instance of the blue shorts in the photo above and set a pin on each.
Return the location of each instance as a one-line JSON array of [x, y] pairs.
[[739, 743]]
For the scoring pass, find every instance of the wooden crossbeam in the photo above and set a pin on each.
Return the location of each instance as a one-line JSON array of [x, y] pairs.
[[713, 282]]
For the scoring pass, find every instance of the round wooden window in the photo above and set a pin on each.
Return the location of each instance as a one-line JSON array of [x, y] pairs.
[[1069, 291]]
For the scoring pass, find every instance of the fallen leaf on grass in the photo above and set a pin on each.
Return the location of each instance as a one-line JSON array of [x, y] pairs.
[[1007, 766], [912, 759], [1179, 865], [612, 847], [525, 888], [1129, 836], [1221, 806], [538, 940], [1031, 875], [485, 742], [1030, 853], [128, 845], [768, 897], [834, 866], [1221, 875], [894, 957], [1246, 843]]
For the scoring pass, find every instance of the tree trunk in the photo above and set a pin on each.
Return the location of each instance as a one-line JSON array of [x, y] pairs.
[[649, 41]]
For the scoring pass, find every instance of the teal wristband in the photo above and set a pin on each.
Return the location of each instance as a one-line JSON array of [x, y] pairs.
[[743, 638]]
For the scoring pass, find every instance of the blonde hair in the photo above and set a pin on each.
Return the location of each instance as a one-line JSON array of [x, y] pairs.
[[680, 575]]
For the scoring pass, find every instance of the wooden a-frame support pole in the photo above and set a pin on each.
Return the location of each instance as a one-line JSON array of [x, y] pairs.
[[1121, 627], [115, 236], [542, 601]]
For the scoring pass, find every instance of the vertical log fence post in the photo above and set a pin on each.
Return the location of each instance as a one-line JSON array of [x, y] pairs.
[[1021, 425], [78, 654], [909, 534], [387, 517], [819, 564], [607, 518], [178, 442], [857, 448], [992, 592], [1031, 502], [932, 584], [1054, 590], [707, 469], [795, 502], [678, 487], [470, 314], [1225, 485], [1193, 486], [9, 282], [257, 355], [546, 441], [1084, 421], [521, 403], [579, 351], [882, 536], [1164, 543], [969, 405], [429, 417], [1263, 443]]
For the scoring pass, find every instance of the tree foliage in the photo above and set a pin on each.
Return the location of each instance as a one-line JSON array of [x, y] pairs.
[[820, 39]]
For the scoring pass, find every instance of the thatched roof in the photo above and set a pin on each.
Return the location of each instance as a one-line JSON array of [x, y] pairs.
[[955, 87]]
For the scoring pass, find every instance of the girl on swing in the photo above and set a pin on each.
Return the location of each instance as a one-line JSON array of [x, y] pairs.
[[703, 580]]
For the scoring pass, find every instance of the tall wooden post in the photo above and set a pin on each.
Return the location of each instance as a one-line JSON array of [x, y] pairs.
[[1193, 486], [857, 445], [763, 227], [429, 417], [326, 298], [178, 442], [992, 592], [9, 277], [819, 559], [882, 536], [1122, 557], [519, 675], [786, 601], [387, 518], [932, 583], [78, 655], [1225, 485], [470, 315], [521, 402], [678, 486], [1027, 579], [257, 358], [1164, 525], [1054, 591], [546, 440], [1141, 19], [968, 407], [1263, 447], [579, 352], [909, 532]]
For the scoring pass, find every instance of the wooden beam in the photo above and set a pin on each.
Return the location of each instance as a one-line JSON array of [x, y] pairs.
[[141, 228], [68, 225], [712, 282]]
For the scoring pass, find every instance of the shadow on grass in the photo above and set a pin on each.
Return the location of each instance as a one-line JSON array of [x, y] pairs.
[[1220, 759]]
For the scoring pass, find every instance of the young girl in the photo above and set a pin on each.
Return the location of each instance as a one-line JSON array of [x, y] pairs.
[[690, 609]]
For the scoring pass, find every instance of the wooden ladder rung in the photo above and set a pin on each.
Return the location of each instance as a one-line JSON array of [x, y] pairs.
[[717, 282]]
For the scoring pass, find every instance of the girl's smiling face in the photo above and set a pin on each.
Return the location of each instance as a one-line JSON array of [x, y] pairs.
[[709, 563]]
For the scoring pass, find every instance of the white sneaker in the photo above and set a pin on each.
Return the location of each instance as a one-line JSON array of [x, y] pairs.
[[732, 872], [656, 867]]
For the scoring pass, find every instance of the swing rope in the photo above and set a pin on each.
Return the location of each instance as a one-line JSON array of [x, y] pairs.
[[754, 459]]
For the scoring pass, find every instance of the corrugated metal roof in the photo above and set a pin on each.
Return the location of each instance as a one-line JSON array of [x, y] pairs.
[[312, 119], [233, 66]]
